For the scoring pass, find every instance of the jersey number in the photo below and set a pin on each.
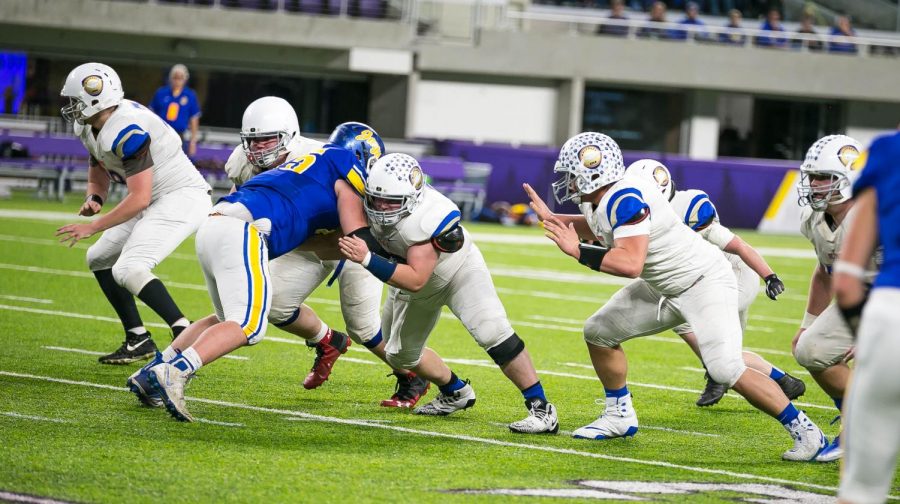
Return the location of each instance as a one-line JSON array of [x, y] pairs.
[[302, 163]]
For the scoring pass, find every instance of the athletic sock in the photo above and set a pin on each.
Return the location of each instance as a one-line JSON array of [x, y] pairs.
[[324, 332], [188, 361], [535, 391], [776, 374], [789, 414], [121, 300], [453, 385], [169, 353], [155, 295]]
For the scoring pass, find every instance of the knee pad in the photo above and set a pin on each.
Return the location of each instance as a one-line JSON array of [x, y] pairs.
[[809, 357], [132, 277], [282, 317], [403, 359], [726, 371], [599, 333], [97, 260], [506, 350]]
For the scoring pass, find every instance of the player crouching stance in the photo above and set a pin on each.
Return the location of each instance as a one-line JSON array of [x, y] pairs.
[[270, 215], [679, 278], [435, 264]]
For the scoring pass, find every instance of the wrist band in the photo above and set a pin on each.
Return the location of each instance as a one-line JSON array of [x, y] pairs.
[[591, 255], [380, 267], [808, 319], [366, 260], [854, 270], [95, 198]]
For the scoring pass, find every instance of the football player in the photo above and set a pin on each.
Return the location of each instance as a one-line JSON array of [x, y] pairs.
[[873, 399], [824, 344], [679, 277], [270, 215], [166, 202], [430, 261], [270, 134], [697, 212]]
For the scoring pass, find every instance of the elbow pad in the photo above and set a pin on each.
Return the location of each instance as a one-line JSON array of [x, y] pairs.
[[591, 255], [451, 241]]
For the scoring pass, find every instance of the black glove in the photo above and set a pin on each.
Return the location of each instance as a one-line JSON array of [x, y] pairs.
[[774, 286]]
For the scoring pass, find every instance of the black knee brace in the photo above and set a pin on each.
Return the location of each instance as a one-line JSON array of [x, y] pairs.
[[508, 350]]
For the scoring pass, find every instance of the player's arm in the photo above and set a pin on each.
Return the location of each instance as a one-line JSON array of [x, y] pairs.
[[421, 260], [756, 262], [350, 207], [140, 187], [97, 188], [625, 258], [857, 249], [543, 213]]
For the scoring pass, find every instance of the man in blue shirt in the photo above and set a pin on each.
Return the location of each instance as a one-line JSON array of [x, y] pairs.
[[177, 105], [692, 17], [773, 24], [872, 438]]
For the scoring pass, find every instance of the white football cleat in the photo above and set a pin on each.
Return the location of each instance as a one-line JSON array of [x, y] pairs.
[[619, 420], [443, 405], [541, 420], [809, 440], [832, 452], [169, 382]]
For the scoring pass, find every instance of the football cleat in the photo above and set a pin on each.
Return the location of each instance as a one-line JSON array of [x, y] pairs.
[[809, 440], [139, 384], [133, 349], [619, 420], [444, 405], [169, 382], [410, 388], [791, 386], [713, 393], [833, 452], [327, 352], [541, 419]]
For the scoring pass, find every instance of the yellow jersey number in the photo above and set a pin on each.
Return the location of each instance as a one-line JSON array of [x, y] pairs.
[[302, 163]]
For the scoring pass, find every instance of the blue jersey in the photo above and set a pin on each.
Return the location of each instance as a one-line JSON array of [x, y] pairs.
[[882, 172], [298, 197], [177, 111]]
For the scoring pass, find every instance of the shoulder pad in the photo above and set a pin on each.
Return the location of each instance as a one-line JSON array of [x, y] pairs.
[[624, 205], [451, 240], [438, 214], [700, 211], [124, 135]]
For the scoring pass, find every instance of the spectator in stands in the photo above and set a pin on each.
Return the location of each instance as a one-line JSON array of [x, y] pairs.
[[657, 15], [692, 17], [617, 12], [177, 105], [842, 28], [807, 27], [735, 35], [773, 24]]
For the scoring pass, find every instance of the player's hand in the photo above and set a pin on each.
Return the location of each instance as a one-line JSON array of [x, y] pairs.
[[565, 237], [850, 355], [774, 286], [353, 248], [89, 208], [537, 204], [795, 340], [73, 233]]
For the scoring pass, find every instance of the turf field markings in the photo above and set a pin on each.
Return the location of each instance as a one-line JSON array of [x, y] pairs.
[[92, 352], [22, 416], [304, 419], [359, 361], [789, 297], [551, 295], [53, 243], [667, 339], [217, 422], [760, 329], [642, 426], [780, 320], [29, 499], [26, 299], [458, 437]]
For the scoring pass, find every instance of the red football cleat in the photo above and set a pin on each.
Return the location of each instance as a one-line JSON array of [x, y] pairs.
[[328, 350], [410, 388]]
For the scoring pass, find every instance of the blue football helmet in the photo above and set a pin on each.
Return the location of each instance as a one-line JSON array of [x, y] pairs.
[[361, 140]]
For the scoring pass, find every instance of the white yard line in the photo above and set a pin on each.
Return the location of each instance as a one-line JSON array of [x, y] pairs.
[[13, 414], [359, 361], [26, 299], [29, 499], [370, 420], [54, 243], [457, 437], [642, 426], [216, 422], [92, 352]]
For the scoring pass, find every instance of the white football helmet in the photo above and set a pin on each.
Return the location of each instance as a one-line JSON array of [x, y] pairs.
[[90, 88], [652, 170], [834, 157], [394, 188], [268, 117], [589, 161]]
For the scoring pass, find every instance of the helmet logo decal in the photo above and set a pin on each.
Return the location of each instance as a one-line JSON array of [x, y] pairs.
[[848, 154], [661, 176], [92, 84], [368, 136], [590, 156], [416, 178]]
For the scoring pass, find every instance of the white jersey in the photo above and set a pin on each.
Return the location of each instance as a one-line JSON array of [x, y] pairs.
[[121, 148], [240, 170], [827, 241], [434, 215], [699, 213], [676, 256]]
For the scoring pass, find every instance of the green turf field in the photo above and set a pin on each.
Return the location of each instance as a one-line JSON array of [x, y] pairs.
[[70, 430]]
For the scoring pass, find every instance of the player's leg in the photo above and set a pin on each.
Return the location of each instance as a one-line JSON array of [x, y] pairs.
[[872, 415], [295, 276], [633, 311], [711, 307], [360, 293], [474, 301], [163, 226], [101, 257], [235, 253]]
